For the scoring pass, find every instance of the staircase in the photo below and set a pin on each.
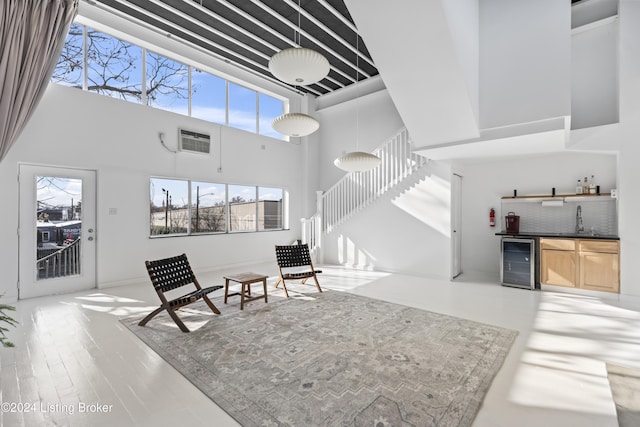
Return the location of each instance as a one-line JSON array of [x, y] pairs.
[[357, 190]]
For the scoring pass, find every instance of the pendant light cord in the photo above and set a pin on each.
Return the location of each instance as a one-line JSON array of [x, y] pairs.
[[357, 93], [299, 26]]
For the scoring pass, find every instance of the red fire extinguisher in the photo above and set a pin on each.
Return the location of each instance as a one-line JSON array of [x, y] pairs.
[[492, 218]]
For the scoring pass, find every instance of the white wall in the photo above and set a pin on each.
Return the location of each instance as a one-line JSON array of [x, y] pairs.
[[485, 182], [422, 64], [594, 75], [119, 140], [408, 230], [463, 17], [525, 61], [627, 138]]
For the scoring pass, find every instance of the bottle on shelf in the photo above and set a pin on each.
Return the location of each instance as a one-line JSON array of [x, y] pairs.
[[592, 185], [585, 186], [579, 187]]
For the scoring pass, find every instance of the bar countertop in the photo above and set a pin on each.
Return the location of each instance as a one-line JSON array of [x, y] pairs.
[[533, 234]]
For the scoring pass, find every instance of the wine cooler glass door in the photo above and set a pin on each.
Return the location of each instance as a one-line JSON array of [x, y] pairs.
[[517, 263]]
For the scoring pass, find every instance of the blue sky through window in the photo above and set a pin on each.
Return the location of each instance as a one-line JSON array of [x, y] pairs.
[[70, 71], [114, 68], [208, 194], [269, 108], [242, 107], [178, 192], [117, 76], [55, 191], [208, 97], [267, 193], [167, 84]]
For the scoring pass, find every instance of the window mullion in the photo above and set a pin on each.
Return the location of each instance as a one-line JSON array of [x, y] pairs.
[[257, 112], [257, 210], [226, 119], [227, 209], [85, 62], [189, 209], [189, 70], [144, 77]]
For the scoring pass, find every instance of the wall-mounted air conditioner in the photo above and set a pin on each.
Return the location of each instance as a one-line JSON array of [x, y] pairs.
[[194, 142]]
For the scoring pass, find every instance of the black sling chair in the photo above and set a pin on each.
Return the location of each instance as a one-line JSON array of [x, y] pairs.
[[295, 256], [172, 273]]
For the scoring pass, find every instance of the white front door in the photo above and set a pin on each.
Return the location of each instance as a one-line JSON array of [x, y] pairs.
[[57, 222]]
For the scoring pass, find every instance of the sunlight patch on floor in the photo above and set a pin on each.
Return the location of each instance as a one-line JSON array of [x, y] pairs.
[[572, 339], [345, 278], [112, 304]]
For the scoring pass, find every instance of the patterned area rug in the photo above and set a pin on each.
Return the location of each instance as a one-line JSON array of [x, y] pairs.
[[625, 389], [333, 359]]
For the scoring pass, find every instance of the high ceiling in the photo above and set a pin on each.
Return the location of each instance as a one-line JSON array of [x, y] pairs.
[[249, 32]]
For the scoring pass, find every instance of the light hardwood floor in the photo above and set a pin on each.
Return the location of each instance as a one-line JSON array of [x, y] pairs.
[[75, 365]]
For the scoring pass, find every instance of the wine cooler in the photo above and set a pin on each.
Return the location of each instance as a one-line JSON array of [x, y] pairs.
[[517, 266]]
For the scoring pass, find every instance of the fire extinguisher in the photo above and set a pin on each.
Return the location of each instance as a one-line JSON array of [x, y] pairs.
[[492, 218]]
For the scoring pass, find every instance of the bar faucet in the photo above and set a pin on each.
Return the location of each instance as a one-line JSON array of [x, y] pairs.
[[579, 225]]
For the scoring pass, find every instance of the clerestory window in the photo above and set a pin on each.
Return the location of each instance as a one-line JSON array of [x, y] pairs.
[[98, 62]]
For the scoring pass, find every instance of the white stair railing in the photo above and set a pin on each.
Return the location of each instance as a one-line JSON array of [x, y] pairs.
[[356, 190]]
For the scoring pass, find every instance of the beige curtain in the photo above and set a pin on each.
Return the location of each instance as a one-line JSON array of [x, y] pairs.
[[32, 34]]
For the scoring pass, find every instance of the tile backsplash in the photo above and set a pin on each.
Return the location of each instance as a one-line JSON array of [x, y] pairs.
[[598, 215]]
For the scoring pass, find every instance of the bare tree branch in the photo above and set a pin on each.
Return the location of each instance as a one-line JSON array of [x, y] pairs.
[[114, 68]]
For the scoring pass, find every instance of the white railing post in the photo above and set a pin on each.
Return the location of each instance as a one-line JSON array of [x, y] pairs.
[[317, 226]]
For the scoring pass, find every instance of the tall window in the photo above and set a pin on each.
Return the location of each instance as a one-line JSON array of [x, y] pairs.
[[114, 67], [169, 206], [183, 207], [242, 208], [269, 108], [270, 208], [209, 210], [167, 84], [69, 70], [208, 97], [242, 108]]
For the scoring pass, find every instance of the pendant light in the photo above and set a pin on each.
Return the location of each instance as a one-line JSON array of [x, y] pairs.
[[357, 161], [298, 65], [295, 124]]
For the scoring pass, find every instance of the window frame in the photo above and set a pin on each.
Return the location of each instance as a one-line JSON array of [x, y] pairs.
[[191, 65], [190, 209]]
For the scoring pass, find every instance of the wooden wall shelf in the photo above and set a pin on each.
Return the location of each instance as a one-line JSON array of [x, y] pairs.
[[557, 196]]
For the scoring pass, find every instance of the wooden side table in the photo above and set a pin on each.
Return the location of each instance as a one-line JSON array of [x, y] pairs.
[[245, 279]]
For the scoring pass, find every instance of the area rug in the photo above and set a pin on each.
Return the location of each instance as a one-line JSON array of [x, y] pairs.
[[334, 359], [625, 389]]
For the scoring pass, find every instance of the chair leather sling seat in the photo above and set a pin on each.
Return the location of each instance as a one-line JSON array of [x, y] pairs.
[[298, 257], [172, 273]]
